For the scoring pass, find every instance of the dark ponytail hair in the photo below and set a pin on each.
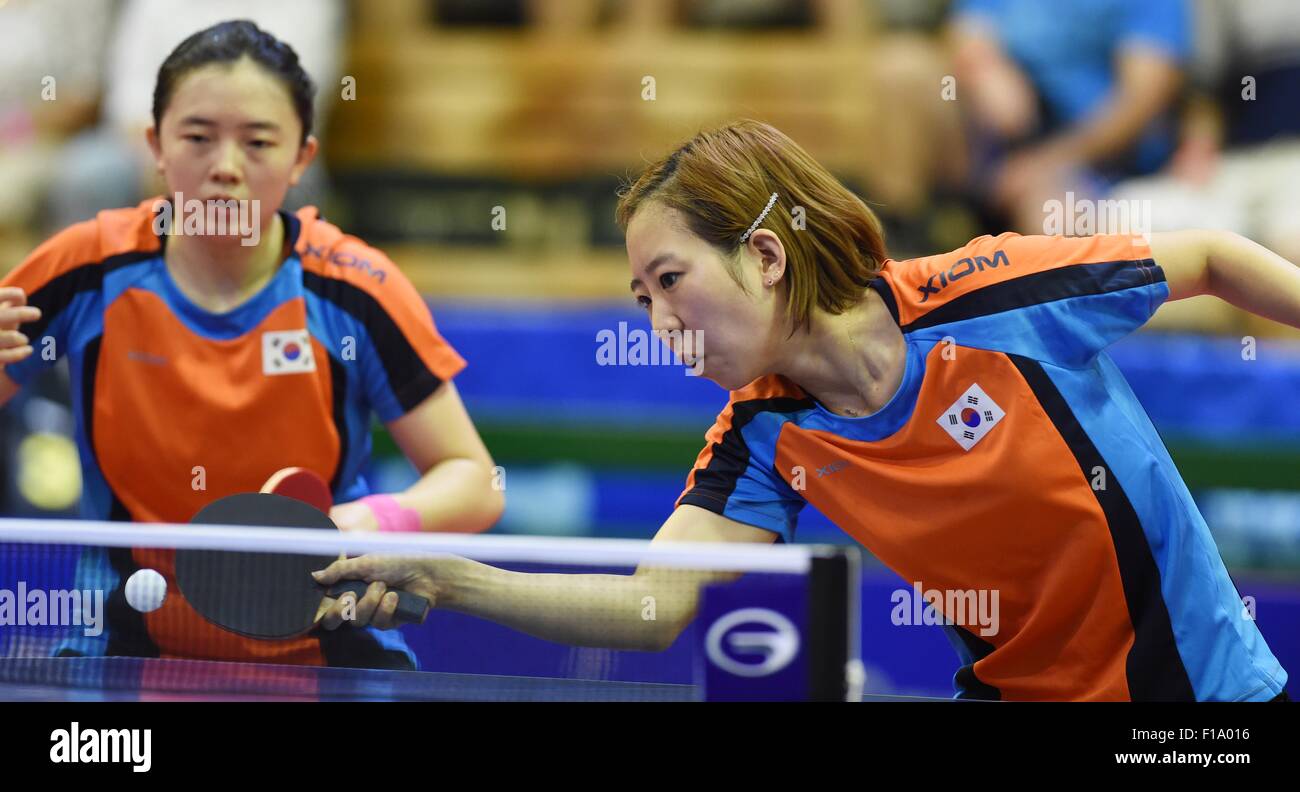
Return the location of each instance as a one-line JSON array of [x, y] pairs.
[[227, 42]]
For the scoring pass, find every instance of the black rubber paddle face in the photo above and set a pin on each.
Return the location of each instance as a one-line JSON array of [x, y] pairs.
[[257, 595]]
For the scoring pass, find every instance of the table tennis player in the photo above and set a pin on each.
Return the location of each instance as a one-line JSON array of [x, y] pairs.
[[956, 414], [202, 363]]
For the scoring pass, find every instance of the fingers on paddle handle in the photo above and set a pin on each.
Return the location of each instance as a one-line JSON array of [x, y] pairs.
[[411, 608]]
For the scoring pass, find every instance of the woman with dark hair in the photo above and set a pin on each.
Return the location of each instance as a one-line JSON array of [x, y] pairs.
[[214, 339], [955, 414]]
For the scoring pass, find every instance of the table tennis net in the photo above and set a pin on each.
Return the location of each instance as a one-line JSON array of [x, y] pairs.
[[512, 618]]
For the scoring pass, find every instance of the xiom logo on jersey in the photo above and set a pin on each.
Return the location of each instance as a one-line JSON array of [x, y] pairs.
[[961, 269], [287, 352], [971, 417]]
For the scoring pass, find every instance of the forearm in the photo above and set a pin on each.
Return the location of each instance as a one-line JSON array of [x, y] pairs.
[[1253, 278], [644, 611], [456, 495], [1146, 88], [1110, 132], [613, 611], [999, 96]]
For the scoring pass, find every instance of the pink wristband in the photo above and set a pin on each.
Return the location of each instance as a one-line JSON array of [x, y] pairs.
[[391, 515]]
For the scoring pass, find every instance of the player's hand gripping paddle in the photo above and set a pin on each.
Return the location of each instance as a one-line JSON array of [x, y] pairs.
[[267, 595], [304, 484]]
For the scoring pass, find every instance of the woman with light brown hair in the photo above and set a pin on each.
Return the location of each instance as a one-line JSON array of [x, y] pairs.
[[956, 414]]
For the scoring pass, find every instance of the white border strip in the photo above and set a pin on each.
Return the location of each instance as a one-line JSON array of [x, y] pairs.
[[721, 556]]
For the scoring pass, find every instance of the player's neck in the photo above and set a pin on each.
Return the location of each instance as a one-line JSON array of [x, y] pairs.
[[852, 363], [217, 273]]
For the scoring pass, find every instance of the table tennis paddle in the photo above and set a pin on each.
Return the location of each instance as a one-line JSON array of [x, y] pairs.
[[267, 595]]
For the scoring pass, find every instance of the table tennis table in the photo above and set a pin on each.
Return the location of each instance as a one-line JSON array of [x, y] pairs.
[[153, 679]]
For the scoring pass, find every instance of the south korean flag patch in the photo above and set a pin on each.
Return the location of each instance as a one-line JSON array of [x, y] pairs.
[[287, 352], [971, 417]]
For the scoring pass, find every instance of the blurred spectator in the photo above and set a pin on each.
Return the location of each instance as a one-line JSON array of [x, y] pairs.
[[47, 93], [1068, 95], [111, 166], [1239, 160]]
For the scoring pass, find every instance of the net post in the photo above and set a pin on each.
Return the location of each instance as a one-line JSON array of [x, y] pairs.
[[833, 618]]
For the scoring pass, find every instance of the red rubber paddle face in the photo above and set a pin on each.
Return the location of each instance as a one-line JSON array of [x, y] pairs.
[[301, 484]]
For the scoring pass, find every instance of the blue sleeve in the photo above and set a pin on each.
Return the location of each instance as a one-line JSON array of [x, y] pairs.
[[1071, 298], [49, 344], [64, 278], [375, 380], [1163, 24], [1113, 301], [374, 349], [740, 482], [51, 336]]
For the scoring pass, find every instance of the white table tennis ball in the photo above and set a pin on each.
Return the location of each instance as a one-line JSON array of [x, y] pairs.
[[146, 590]]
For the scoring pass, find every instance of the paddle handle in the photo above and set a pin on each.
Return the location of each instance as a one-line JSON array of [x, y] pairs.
[[411, 608]]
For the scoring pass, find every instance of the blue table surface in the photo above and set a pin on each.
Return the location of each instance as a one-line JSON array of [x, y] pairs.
[[150, 679]]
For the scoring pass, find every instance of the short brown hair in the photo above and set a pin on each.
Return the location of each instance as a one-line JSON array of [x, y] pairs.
[[721, 179]]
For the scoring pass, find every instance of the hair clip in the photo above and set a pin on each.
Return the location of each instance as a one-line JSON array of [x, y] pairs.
[[770, 203]]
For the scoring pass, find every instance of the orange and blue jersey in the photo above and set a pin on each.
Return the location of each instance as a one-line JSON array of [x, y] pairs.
[[1013, 458], [176, 406]]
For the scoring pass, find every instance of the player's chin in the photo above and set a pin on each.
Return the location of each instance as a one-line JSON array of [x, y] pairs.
[[716, 370]]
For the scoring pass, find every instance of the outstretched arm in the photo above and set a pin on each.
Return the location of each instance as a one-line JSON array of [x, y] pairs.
[[1232, 268], [609, 611]]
